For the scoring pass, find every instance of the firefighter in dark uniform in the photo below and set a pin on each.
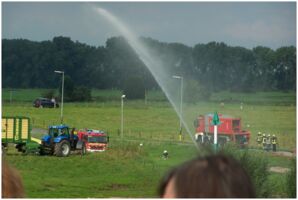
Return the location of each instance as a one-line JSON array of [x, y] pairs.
[[268, 142], [259, 139], [274, 142], [264, 139]]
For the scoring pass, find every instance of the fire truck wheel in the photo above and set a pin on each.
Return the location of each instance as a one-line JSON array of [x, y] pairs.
[[83, 150], [62, 149]]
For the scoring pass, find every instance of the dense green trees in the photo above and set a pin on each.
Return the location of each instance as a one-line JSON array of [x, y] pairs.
[[214, 66]]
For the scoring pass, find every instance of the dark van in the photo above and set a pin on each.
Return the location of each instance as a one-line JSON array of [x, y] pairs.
[[44, 103]]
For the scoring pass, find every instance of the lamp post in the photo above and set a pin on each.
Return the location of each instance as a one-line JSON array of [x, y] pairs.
[[62, 92], [122, 97], [181, 99]]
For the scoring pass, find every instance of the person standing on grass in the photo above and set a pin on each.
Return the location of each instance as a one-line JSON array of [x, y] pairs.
[[259, 139], [54, 101], [268, 143], [274, 142], [264, 139]]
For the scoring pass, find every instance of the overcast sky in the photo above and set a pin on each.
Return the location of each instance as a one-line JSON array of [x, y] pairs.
[[271, 24]]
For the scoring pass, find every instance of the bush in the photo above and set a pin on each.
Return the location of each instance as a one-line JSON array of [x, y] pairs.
[[81, 93], [256, 165], [48, 94], [134, 88], [291, 180]]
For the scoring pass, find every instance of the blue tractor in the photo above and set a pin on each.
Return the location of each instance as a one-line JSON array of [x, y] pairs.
[[60, 141]]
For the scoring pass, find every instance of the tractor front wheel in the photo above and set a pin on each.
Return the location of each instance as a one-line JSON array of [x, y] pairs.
[[62, 149]]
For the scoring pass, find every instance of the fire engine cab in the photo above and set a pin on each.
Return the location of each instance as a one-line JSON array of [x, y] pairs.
[[95, 140]]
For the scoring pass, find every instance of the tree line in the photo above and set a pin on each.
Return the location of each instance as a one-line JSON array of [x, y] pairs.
[[214, 66]]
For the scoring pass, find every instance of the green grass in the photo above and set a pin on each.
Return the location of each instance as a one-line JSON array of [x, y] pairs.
[[127, 171], [21, 95], [264, 98], [123, 171]]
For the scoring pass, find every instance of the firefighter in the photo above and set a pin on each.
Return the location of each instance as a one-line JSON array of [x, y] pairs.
[[268, 143], [274, 142], [199, 138], [264, 141], [165, 154], [259, 139]]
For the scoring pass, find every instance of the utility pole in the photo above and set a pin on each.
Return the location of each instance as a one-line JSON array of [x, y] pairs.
[[62, 93]]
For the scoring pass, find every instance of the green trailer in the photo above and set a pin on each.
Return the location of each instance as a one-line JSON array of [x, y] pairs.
[[17, 130]]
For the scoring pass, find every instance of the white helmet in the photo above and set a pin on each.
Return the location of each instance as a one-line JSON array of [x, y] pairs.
[[165, 151]]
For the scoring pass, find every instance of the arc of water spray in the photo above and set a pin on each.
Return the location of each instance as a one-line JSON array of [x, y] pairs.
[[154, 65]]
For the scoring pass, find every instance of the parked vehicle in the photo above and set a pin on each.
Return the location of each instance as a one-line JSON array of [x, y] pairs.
[[95, 140], [229, 129], [45, 103], [17, 131], [60, 142]]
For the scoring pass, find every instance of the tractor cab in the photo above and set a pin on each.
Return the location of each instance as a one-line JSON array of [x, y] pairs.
[[61, 131]]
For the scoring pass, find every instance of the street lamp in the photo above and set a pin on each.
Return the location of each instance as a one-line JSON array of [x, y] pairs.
[[181, 99], [61, 115], [122, 97]]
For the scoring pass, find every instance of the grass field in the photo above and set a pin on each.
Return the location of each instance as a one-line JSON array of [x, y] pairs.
[[123, 171], [126, 170]]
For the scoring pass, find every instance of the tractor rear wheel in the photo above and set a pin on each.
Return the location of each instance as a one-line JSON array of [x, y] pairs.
[[62, 149]]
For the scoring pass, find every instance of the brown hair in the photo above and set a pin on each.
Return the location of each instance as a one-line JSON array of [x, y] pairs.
[[215, 176], [12, 186]]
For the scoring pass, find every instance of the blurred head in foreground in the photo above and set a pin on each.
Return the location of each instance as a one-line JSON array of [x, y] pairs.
[[12, 186], [215, 176]]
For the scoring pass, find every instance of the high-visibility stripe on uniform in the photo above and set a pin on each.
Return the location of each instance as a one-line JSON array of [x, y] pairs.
[[273, 141]]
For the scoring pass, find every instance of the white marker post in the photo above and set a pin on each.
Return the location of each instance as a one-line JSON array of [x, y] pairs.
[[215, 122], [122, 97]]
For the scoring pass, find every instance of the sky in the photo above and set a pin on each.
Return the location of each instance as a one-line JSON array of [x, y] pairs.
[[246, 24]]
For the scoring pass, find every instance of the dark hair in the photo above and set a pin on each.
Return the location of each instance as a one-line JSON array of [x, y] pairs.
[[215, 176]]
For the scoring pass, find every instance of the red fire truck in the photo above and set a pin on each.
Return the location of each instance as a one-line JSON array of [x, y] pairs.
[[95, 140], [229, 130]]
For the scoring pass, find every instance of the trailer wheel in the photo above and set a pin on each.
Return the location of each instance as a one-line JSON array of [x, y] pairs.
[[4, 149], [42, 151], [62, 149]]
